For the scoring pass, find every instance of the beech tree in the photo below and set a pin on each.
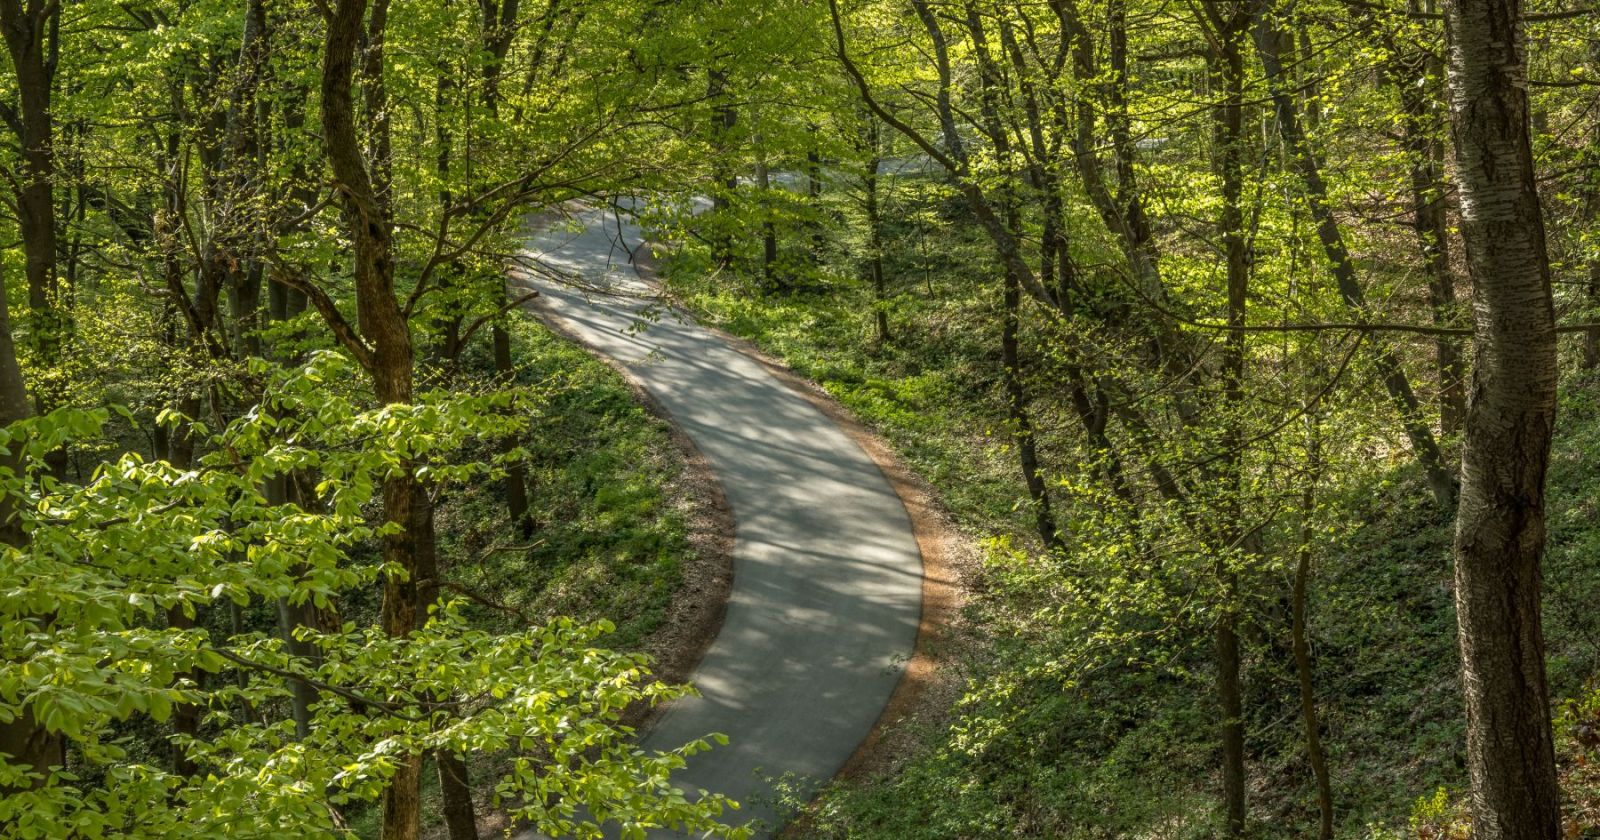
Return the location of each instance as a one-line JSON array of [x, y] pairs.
[[1511, 412]]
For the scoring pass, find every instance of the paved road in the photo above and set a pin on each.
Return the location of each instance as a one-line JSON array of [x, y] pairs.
[[827, 576]]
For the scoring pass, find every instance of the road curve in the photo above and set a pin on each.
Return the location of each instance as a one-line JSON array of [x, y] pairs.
[[827, 587]]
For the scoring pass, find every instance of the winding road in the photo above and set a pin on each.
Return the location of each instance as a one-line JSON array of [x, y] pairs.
[[827, 587]]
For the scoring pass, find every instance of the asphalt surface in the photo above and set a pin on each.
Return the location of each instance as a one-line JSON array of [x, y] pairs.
[[827, 575]]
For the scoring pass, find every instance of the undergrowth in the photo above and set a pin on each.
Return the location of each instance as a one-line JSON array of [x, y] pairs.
[[1127, 748]]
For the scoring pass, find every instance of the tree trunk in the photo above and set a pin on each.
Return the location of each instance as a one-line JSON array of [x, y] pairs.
[[1441, 481], [1419, 70], [769, 231], [1018, 416], [32, 39], [499, 27], [1500, 525], [1022, 433], [1591, 213], [23, 738], [724, 117], [459, 818], [869, 182], [516, 473], [389, 361], [1228, 23], [1298, 640]]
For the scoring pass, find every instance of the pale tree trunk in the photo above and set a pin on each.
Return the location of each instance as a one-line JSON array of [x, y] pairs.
[[1500, 524]]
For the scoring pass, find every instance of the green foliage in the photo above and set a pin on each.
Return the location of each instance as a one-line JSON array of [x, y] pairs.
[[103, 563], [1087, 708]]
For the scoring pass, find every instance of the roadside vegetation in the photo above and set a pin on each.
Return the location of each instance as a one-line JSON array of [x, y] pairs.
[[1256, 344]]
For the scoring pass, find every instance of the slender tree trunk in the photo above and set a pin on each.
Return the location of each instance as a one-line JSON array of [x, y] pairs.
[[1018, 416], [814, 193], [1228, 23], [1591, 214], [1298, 634], [516, 473], [1419, 70], [1500, 525], [1021, 423], [769, 231], [724, 117], [869, 182], [1441, 480], [291, 618], [499, 27]]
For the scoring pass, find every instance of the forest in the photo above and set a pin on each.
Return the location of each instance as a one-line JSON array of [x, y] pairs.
[[888, 419]]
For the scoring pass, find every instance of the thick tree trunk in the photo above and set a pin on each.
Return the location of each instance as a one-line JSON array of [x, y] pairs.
[[32, 38], [1500, 525], [459, 818]]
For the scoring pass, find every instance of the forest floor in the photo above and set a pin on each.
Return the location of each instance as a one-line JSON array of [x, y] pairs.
[[1126, 751]]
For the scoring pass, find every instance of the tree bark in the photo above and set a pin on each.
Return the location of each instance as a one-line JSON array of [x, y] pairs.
[[27, 742], [385, 336], [1298, 637], [869, 182], [1500, 524], [1227, 23]]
